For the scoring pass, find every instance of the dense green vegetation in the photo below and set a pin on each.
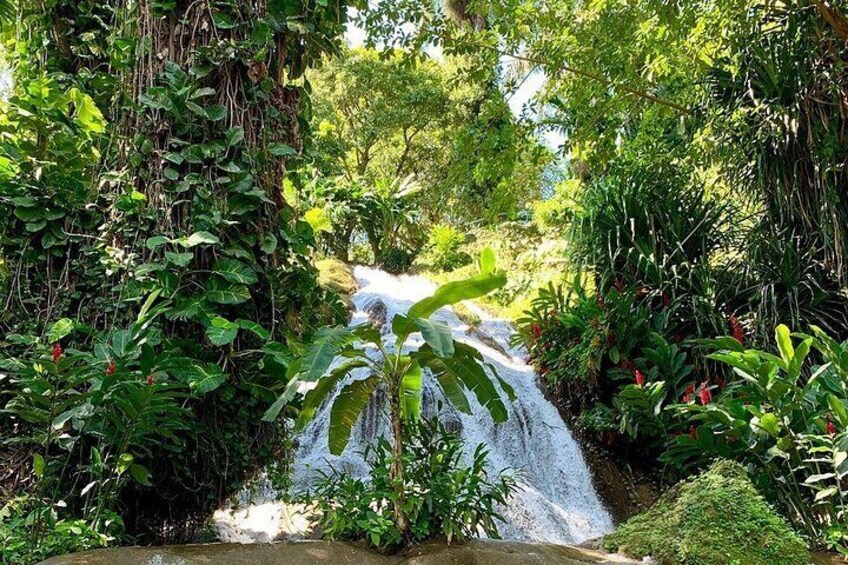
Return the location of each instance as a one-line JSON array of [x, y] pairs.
[[688, 525], [184, 186]]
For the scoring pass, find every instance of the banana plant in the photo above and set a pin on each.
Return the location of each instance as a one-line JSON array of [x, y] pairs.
[[457, 367]]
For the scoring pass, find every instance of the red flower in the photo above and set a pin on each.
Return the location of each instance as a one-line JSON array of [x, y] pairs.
[[150, 380], [705, 395], [721, 383], [666, 300], [110, 370], [640, 378], [736, 330], [57, 352], [600, 300], [831, 428], [536, 329], [677, 338], [611, 338], [693, 433]]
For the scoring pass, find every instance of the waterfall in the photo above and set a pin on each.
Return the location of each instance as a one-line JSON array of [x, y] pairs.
[[556, 503]]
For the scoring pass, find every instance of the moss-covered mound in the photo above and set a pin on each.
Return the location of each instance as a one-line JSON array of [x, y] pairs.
[[338, 277], [717, 518]]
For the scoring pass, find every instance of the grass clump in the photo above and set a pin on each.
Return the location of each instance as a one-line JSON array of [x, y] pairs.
[[337, 276], [718, 518]]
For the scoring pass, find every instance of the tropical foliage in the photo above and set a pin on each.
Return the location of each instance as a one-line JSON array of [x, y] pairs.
[[457, 367]]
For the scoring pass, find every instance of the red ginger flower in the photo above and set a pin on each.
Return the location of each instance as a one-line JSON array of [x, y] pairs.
[[666, 300], [640, 378], [57, 352], [736, 330], [150, 380], [110, 370], [705, 395], [831, 428], [693, 432]]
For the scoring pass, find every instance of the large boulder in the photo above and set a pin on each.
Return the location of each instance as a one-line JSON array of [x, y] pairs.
[[717, 518]]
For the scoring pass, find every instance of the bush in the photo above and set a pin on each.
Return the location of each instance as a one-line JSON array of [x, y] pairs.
[[395, 260], [445, 498], [444, 248], [717, 518], [785, 420]]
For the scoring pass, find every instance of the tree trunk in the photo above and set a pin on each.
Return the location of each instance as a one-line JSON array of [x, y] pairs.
[[396, 470]]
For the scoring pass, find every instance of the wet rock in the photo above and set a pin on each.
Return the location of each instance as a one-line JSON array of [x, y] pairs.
[[376, 311], [486, 339], [308, 553]]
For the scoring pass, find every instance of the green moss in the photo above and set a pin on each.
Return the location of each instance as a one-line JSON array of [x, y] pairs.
[[337, 276], [718, 518]]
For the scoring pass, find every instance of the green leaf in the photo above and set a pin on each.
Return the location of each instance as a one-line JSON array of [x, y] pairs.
[[254, 328], [784, 343], [38, 464], [140, 474], [124, 462], [318, 219], [487, 261], [179, 259], [437, 334], [206, 378], [88, 114], [411, 391], [221, 292], [269, 244], [315, 397], [346, 410], [157, 241], [327, 343], [466, 366], [221, 331], [60, 330], [199, 238], [448, 381], [838, 409], [235, 271], [281, 150]]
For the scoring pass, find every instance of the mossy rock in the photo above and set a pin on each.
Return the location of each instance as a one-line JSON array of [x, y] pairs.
[[338, 277], [717, 518]]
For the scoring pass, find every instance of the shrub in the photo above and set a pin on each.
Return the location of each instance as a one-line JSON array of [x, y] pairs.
[[445, 497], [395, 260], [786, 421], [444, 248], [714, 519]]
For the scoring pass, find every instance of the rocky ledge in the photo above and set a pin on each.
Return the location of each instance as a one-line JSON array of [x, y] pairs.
[[309, 552]]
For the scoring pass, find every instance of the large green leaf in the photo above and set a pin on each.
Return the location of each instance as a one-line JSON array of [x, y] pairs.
[[315, 397], [205, 378], [222, 292], [411, 390], [288, 394], [437, 334], [222, 331], [327, 343], [234, 271], [466, 365], [346, 410], [448, 381]]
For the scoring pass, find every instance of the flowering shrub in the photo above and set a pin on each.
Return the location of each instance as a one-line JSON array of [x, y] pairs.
[[786, 420]]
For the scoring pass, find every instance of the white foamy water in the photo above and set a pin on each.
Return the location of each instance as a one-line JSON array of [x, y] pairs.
[[557, 502]]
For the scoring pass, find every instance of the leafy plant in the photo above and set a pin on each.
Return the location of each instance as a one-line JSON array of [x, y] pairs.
[[785, 420], [443, 497], [456, 366], [444, 248]]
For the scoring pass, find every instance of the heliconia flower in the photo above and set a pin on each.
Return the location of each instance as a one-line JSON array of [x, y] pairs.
[[110, 370], [736, 330], [693, 432], [705, 395], [150, 380], [831, 428], [640, 378], [57, 352]]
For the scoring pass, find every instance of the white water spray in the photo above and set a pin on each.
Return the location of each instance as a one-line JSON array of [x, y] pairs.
[[557, 502]]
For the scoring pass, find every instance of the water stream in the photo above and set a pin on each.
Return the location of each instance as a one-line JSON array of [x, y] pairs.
[[557, 502]]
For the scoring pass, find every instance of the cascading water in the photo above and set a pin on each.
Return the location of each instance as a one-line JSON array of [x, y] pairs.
[[557, 502]]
